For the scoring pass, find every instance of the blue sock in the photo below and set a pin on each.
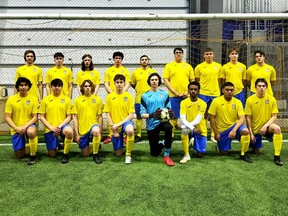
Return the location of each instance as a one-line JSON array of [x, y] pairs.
[[167, 151]]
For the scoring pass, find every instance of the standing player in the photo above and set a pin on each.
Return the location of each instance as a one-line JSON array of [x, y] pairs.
[[119, 109], [21, 115], [31, 72], [261, 70], [209, 75], [227, 118], [139, 83], [87, 110], [88, 73], [55, 114], [60, 72], [151, 104], [261, 113], [192, 111], [109, 75], [177, 75], [235, 72]]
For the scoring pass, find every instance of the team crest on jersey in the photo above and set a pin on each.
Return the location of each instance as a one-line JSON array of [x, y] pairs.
[[92, 74], [125, 99], [122, 71], [233, 106], [65, 72], [267, 70], [62, 101], [215, 67], [240, 68], [161, 95], [198, 107], [184, 66], [34, 69], [267, 101], [28, 102], [93, 100]]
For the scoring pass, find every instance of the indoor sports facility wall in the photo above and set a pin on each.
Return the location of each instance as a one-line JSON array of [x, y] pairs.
[[74, 33]]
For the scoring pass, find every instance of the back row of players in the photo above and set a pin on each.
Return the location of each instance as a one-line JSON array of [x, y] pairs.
[[189, 104]]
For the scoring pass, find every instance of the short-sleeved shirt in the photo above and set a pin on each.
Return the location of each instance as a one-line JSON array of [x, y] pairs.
[[55, 109], [179, 75], [139, 79], [235, 73], [226, 113], [64, 74], [92, 75], [88, 109], [22, 109], [266, 71], [260, 110], [119, 106], [112, 71], [209, 74], [191, 109], [34, 74]]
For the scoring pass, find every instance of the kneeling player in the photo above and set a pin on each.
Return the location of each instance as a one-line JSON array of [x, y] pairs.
[[87, 110], [192, 111], [55, 114], [21, 115], [227, 119]]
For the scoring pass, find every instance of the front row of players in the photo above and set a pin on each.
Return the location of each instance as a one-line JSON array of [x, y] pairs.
[[227, 118]]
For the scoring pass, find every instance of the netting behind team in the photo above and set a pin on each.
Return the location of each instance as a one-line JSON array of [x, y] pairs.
[[155, 38]]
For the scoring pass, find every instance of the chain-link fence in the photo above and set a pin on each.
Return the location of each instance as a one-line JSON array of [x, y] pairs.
[[155, 38]]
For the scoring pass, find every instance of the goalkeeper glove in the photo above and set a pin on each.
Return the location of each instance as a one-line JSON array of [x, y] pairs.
[[156, 114]]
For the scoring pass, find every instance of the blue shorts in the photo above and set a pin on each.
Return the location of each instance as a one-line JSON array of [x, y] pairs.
[[258, 143], [85, 139], [19, 142], [200, 142], [241, 97], [137, 109], [51, 140], [175, 105], [208, 99], [225, 143], [118, 141]]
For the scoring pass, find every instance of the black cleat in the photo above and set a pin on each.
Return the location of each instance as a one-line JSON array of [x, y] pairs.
[[97, 159], [65, 159], [137, 139], [278, 161], [32, 160], [246, 158], [60, 146]]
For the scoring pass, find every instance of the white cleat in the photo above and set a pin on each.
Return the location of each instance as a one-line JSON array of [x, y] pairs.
[[128, 160], [185, 159]]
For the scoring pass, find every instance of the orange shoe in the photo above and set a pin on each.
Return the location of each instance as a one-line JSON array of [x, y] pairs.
[[168, 161], [107, 140]]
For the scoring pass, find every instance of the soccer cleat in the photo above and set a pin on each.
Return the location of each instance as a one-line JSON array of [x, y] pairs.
[[246, 158], [168, 161], [32, 160], [65, 159], [97, 159], [137, 139], [213, 140], [185, 159], [60, 146], [107, 140], [278, 161], [128, 159]]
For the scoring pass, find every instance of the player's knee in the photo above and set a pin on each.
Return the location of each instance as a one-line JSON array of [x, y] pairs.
[[130, 132], [245, 131], [277, 129]]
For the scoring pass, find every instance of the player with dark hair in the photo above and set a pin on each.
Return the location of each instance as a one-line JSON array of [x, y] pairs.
[[235, 72], [139, 83], [110, 87], [31, 72], [87, 120], [192, 111], [88, 73], [152, 102], [119, 109], [177, 75], [261, 70], [227, 119], [55, 114], [209, 75], [261, 113], [21, 115], [60, 72]]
